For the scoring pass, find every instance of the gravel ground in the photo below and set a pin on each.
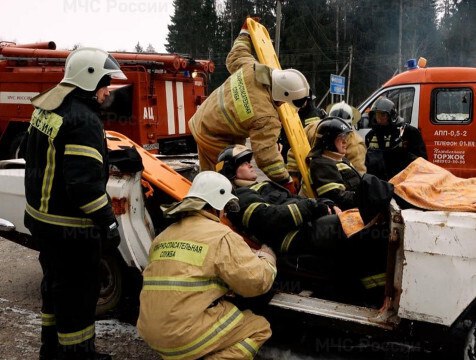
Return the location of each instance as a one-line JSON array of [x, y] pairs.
[[20, 323]]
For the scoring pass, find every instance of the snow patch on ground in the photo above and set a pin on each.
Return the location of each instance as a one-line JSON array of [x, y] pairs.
[[115, 328], [267, 353]]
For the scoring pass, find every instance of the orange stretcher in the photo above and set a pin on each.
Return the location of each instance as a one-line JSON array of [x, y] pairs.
[[155, 171]]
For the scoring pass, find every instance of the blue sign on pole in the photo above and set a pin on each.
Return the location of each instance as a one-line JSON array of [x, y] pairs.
[[337, 84]]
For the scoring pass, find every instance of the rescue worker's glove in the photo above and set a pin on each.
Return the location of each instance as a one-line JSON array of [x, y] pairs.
[[244, 28], [110, 238], [319, 208], [289, 185], [267, 253]]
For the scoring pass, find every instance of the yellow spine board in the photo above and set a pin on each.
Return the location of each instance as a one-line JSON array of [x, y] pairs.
[[289, 117]]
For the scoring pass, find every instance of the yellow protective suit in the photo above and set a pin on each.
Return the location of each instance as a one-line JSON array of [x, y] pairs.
[[192, 265], [241, 107]]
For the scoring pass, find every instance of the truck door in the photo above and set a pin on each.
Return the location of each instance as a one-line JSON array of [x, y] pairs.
[[446, 124]]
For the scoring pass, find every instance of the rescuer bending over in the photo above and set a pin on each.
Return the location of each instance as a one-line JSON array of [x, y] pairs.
[[245, 106]]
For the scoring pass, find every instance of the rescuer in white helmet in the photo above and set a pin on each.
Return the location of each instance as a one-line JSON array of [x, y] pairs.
[[68, 211], [192, 265], [245, 105]]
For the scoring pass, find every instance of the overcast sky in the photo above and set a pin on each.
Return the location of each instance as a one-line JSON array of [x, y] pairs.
[[107, 24]]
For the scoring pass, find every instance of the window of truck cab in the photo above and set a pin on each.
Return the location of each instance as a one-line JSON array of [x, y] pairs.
[[403, 98], [451, 106]]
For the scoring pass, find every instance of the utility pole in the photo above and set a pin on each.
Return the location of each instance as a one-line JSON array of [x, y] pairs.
[[350, 73], [400, 31], [277, 36], [231, 24], [337, 43]]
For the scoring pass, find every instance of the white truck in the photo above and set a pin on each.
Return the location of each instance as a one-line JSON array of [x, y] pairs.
[[431, 271]]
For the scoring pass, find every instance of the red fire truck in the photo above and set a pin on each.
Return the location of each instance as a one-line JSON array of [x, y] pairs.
[[152, 107]]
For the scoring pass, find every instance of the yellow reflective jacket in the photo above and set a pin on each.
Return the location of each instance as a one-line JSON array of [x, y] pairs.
[[192, 264], [242, 107]]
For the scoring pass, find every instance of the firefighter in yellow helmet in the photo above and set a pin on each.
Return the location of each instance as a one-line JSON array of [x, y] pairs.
[[68, 211], [245, 105], [192, 264]]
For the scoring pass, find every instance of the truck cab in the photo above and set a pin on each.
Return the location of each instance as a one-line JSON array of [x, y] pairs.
[[440, 103]]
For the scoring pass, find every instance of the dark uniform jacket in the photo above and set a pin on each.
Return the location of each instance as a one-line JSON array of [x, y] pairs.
[[272, 215], [392, 149], [337, 180], [67, 168]]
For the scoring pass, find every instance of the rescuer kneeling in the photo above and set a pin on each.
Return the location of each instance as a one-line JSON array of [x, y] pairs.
[[192, 264]]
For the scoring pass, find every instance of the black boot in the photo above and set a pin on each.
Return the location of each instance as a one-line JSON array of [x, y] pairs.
[[49, 343], [83, 351]]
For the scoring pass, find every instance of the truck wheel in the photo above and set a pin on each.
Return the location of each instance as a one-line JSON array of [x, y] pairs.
[[110, 275], [469, 349]]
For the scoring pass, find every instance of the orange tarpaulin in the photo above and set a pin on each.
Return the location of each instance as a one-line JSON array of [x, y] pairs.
[[428, 186], [351, 221]]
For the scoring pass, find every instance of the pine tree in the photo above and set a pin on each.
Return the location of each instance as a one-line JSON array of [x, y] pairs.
[[139, 48], [150, 49]]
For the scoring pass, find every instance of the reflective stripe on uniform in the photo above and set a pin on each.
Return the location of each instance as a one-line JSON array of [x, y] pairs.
[[248, 347], [48, 176], [288, 239], [249, 211], [230, 121], [292, 163], [95, 204], [311, 120], [77, 337], [274, 169], [81, 150], [240, 96], [258, 186], [373, 144], [373, 281], [343, 166], [158, 283], [57, 219], [296, 214], [48, 319], [328, 187], [212, 336]]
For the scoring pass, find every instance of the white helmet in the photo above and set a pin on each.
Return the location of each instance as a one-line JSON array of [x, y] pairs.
[[86, 66], [342, 110], [212, 187], [290, 86]]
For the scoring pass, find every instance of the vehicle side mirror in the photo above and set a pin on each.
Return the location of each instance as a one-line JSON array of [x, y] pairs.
[[6, 226], [364, 122]]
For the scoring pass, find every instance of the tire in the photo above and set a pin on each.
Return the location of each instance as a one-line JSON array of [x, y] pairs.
[[469, 348], [111, 277]]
